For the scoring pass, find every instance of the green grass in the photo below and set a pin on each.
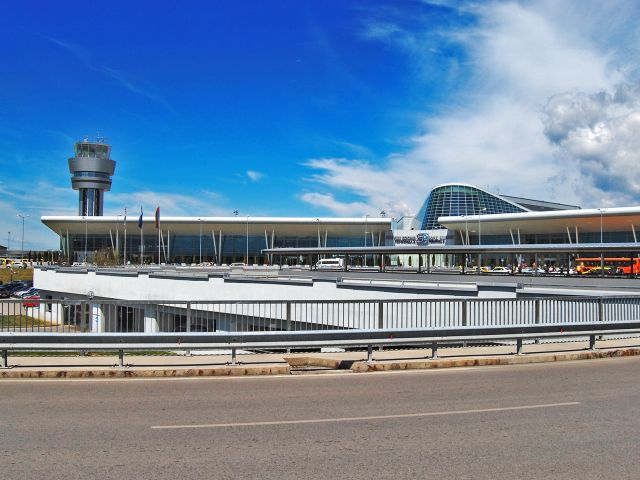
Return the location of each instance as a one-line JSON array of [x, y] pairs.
[[21, 321], [18, 274]]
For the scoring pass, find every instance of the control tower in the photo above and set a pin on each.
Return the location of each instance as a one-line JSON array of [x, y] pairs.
[[92, 169]]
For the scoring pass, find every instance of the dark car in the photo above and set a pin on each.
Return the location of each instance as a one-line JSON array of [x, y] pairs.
[[10, 288]]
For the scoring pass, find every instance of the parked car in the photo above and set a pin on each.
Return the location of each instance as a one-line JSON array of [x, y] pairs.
[[501, 270], [27, 293], [23, 292], [11, 288], [30, 301]]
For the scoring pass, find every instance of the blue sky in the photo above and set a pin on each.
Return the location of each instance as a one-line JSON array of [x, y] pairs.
[[308, 108]]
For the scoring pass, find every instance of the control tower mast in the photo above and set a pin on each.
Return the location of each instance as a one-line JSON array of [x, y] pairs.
[[92, 170]]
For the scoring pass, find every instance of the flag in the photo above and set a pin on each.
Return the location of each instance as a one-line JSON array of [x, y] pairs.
[[158, 217], [140, 219]]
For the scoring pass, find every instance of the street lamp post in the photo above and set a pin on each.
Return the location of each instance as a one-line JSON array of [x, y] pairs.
[[85, 239], [484, 209], [117, 255], [366, 228], [247, 240], [9, 241], [200, 220], [20, 215], [319, 242], [601, 210]]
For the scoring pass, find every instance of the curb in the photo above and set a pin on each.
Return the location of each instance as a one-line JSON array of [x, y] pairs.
[[381, 366], [358, 366], [227, 371]]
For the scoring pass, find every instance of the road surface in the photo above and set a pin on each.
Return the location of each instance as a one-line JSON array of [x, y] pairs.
[[563, 421]]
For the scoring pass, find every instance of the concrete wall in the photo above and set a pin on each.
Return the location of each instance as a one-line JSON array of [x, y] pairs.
[[146, 287]]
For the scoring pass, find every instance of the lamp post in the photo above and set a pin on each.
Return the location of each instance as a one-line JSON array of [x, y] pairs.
[[247, 240], [85, 239], [483, 209], [20, 215], [200, 220], [319, 243], [9, 241], [601, 210], [366, 228], [117, 259]]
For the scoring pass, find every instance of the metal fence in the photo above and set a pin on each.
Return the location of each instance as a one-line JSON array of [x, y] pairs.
[[97, 316]]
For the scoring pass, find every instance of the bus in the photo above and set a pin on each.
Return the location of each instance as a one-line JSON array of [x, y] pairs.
[[622, 265]]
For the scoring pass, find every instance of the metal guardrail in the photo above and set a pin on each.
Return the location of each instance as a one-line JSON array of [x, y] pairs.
[[126, 325], [285, 340]]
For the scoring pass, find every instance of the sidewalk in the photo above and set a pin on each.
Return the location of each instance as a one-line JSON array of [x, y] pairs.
[[105, 366]]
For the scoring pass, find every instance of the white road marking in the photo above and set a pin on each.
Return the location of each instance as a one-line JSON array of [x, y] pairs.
[[360, 419]]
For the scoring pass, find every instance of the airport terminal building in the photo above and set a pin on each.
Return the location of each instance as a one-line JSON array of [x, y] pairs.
[[452, 214]]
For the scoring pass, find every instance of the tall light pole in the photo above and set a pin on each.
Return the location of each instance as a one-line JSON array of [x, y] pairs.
[[9, 241], [200, 220], [319, 243], [247, 240], [366, 228], [85, 239], [117, 255], [601, 210], [20, 215], [483, 209]]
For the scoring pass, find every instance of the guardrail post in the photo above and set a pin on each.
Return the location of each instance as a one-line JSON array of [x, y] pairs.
[[536, 312], [600, 312], [5, 358], [234, 360], [288, 320], [434, 350], [592, 342], [187, 353], [369, 353], [121, 358], [518, 346]]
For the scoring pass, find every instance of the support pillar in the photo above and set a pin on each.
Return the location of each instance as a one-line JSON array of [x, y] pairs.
[[97, 318], [151, 319]]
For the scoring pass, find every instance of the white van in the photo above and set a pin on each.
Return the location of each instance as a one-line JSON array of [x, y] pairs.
[[330, 264]]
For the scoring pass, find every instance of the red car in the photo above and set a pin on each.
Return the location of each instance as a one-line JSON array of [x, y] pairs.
[[31, 303]]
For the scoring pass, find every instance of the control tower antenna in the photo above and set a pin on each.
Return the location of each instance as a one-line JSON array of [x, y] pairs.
[[92, 169]]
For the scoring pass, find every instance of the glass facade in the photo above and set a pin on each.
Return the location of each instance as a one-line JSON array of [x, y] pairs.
[[177, 248], [458, 200]]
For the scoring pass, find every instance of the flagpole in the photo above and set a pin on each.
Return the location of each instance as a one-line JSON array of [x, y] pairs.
[[125, 238], [141, 240]]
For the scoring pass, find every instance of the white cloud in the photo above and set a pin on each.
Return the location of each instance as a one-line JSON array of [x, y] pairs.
[[501, 128], [171, 204], [339, 208], [599, 137], [254, 176]]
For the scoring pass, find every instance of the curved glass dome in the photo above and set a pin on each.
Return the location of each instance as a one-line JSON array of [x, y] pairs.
[[456, 200]]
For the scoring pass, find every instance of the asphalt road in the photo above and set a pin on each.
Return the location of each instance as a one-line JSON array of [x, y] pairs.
[[561, 421], [574, 280]]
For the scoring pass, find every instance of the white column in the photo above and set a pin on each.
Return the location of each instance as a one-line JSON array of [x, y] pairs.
[[97, 318], [150, 319]]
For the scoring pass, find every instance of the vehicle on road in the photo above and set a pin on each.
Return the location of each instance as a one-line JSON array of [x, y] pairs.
[[330, 264], [625, 265], [501, 270]]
